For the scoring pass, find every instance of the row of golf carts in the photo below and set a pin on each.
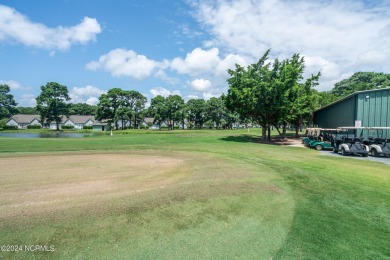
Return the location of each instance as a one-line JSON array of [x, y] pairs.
[[350, 140]]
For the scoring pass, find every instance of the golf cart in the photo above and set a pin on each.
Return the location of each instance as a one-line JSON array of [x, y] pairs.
[[324, 139], [380, 143], [312, 134], [347, 142]]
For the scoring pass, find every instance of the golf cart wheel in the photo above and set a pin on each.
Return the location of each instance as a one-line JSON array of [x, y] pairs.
[[318, 147], [365, 155], [374, 153], [343, 152]]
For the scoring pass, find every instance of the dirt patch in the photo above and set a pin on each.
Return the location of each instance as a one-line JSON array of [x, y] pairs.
[[296, 142], [33, 184]]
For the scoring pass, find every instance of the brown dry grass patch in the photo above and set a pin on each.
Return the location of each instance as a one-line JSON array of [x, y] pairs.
[[43, 183]]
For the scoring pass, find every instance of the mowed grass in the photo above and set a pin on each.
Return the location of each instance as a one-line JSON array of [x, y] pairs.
[[190, 195]]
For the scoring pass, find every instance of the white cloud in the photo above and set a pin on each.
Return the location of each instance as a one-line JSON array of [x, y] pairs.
[[17, 27], [208, 95], [92, 101], [11, 84], [197, 62], [27, 100], [229, 63], [163, 92], [188, 97], [200, 84], [87, 91], [341, 36], [162, 75], [122, 62], [201, 62], [88, 94]]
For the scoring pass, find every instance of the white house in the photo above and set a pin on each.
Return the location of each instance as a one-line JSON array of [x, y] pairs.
[[78, 122], [22, 121]]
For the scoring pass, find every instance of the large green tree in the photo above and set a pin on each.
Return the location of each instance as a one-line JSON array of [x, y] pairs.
[[122, 105], [51, 103], [82, 109], [251, 94], [158, 109], [27, 110], [170, 110], [196, 113], [269, 93], [175, 107], [135, 103], [294, 98], [7, 102], [361, 81], [216, 111]]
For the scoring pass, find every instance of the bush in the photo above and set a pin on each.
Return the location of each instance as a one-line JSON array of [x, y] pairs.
[[3, 122], [10, 127], [176, 128], [67, 127], [87, 127], [164, 128], [34, 127]]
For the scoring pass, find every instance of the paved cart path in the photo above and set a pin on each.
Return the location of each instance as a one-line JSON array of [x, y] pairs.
[[385, 160]]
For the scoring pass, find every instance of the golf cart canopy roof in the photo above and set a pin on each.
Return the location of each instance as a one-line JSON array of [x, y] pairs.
[[321, 129], [351, 127], [379, 128]]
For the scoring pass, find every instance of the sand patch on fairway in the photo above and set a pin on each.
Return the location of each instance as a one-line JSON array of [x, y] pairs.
[[41, 183]]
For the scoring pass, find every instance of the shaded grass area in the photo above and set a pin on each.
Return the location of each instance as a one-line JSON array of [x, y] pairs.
[[238, 199]]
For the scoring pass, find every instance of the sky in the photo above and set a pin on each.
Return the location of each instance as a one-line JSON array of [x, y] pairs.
[[184, 47]]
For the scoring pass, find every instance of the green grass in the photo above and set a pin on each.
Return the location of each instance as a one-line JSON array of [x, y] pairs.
[[231, 197]]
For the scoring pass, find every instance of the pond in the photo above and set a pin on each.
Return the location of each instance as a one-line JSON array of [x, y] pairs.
[[46, 135]]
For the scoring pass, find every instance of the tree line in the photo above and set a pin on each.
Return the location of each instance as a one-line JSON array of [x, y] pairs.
[[124, 109], [267, 93]]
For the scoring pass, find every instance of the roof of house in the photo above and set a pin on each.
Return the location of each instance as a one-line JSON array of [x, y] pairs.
[[63, 120], [24, 119], [81, 119], [101, 122], [149, 119]]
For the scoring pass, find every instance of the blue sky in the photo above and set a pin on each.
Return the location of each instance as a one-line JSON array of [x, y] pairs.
[[181, 47]]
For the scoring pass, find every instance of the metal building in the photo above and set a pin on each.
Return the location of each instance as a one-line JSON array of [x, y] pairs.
[[364, 108]]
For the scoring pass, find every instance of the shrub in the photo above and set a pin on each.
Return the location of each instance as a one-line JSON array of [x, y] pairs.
[[3, 122], [87, 127], [164, 128], [67, 127], [10, 127], [34, 127], [176, 128], [209, 124]]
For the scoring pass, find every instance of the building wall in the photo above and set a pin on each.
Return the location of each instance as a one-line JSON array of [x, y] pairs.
[[12, 122], [369, 108], [374, 109], [35, 122], [339, 114]]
